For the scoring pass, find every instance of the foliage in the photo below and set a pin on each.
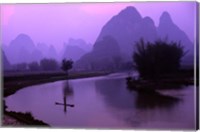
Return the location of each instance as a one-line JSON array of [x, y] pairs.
[[67, 65], [48, 64], [20, 67], [33, 66], [154, 59]]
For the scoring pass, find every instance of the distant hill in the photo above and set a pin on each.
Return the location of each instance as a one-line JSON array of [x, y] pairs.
[[73, 52], [23, 50], [128, 27], [102, 57], [167, 29], [6, 65], [80, 43], [75, 48], [20, 49]]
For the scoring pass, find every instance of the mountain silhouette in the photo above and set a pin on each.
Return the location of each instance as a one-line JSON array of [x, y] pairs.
[[128, 27], [167, 29], [73, 52], [75, 48], [101, 57], [20, 49], [23, 50], [6, 64], [124, 27]]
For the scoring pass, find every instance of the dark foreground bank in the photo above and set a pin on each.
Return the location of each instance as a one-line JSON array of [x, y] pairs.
[[13, 83]]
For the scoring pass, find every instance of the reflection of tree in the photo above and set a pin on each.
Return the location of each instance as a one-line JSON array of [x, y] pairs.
[[115, 94], [133, 107], [157, 100], [67, 91]]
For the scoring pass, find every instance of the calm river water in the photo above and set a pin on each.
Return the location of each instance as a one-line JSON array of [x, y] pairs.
[[104, 102]]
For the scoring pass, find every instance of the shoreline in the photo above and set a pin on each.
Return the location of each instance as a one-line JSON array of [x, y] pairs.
[[14, 83], [11, 84]]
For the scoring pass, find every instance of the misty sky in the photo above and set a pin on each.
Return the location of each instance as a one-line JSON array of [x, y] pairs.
[[56, 23]]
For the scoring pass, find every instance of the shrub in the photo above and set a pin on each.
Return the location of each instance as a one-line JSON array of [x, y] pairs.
[[67, 65], [154, 59]]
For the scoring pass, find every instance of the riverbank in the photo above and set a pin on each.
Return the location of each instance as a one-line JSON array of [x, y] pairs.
[[13, 83], [18, 119], [10, 121], [167, 81]]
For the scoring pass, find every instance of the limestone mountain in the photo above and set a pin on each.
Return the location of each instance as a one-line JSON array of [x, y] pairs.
[[102, 57], [169, 30], [20, 49], [127, 27], [75, 48], [6, 65]]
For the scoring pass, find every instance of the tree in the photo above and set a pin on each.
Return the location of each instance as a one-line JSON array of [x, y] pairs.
[[48, 64], [20, 67], [158, 58], [34, 66], [67, 65]]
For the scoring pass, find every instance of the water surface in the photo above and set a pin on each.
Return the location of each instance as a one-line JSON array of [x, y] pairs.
[[104, 102]]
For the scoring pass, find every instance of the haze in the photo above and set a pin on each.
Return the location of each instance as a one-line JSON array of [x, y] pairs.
[[55, 23]]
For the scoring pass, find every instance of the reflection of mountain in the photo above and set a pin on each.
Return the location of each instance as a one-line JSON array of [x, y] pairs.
[[146, 101], [133, 108]]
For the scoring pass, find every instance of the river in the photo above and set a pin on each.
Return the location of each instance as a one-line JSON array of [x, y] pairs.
[[104, 102]]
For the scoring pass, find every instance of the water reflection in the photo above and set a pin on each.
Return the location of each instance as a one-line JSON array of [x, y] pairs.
[[104, 102], [67, 92], [116, 94], [135, 108], [148, 101]]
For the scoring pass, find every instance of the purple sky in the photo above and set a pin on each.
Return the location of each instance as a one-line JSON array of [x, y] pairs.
[[56, 23]]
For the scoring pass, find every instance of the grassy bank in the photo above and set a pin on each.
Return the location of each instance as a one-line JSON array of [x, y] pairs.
[[167, 81], [13, 83]]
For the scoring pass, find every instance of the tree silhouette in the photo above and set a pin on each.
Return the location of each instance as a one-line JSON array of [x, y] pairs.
[[158, 58], [48, 64], [34, 66], [20, 66], [67, 65]]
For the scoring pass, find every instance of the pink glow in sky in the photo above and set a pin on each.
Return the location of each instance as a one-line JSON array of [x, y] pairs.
[[56, 23], [6, 12]]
